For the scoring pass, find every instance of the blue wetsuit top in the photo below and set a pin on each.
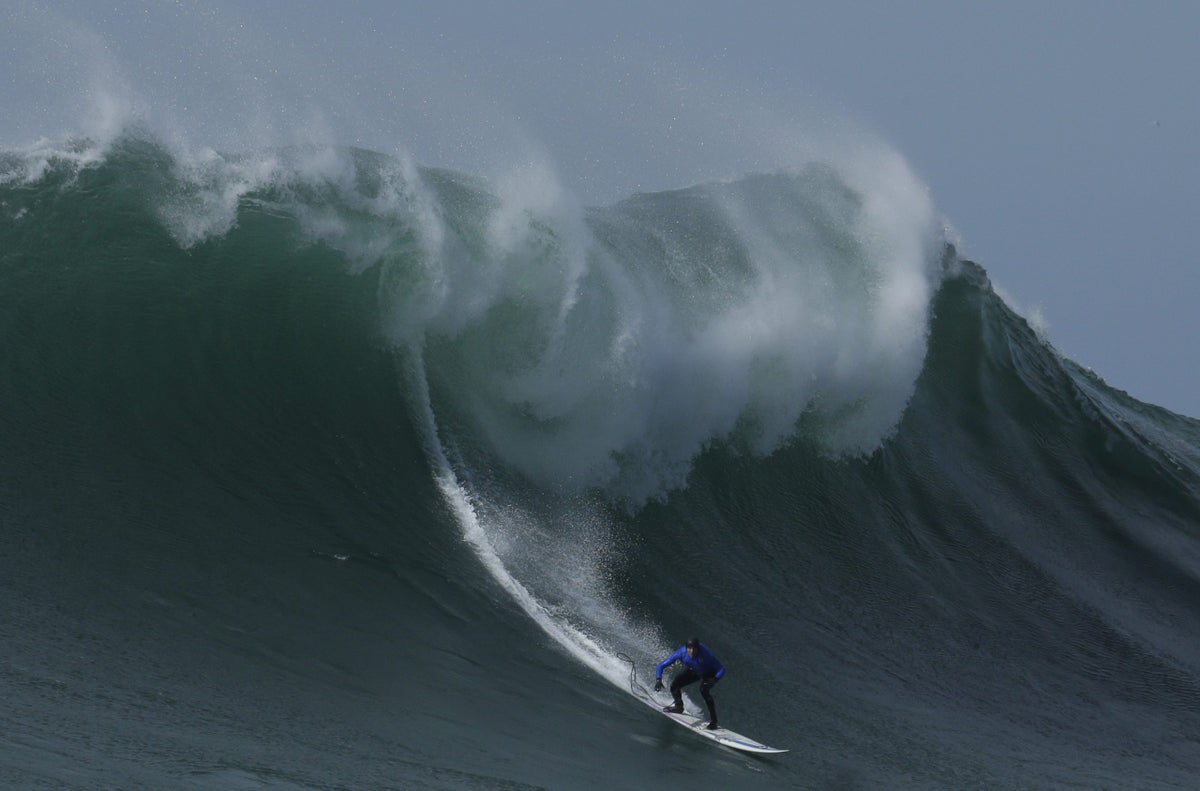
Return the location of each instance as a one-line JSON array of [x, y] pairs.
[[704, 664]]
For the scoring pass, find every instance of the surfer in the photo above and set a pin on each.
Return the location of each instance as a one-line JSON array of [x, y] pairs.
[[701, 666]]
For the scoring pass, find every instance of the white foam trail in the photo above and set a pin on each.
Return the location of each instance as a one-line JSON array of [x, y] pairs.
[[575, 641]]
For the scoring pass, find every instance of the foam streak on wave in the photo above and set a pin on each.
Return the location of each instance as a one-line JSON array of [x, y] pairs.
[[574, 640]]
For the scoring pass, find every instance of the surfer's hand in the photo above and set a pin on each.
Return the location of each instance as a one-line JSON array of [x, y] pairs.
[[658, 685]]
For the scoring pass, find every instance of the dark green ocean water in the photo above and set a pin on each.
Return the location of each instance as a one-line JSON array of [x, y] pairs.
[[321, 470]]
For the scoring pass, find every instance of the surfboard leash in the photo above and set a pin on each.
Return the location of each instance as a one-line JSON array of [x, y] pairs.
[[632, 671]]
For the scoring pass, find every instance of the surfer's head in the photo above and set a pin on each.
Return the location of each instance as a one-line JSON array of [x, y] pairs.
[[692, 644]]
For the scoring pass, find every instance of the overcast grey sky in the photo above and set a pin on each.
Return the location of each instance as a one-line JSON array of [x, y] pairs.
[[1060, 139]]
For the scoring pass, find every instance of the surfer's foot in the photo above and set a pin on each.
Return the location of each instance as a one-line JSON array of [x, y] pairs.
[[674, 708], [712, 726]]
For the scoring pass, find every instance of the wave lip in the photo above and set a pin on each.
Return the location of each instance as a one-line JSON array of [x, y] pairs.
[[608, 350]]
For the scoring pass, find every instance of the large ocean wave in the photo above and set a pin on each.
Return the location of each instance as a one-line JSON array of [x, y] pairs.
[[408, 442]]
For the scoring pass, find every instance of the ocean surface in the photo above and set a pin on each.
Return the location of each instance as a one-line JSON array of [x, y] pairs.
[[321, 469]]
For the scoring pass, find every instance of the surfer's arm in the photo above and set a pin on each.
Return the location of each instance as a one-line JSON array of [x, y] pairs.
[[672, 659]]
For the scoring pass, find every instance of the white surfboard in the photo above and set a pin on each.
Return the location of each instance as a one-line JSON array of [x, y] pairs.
[[723, 736]]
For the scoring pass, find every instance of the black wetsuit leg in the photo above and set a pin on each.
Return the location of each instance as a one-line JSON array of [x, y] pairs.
[[706, 692]]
